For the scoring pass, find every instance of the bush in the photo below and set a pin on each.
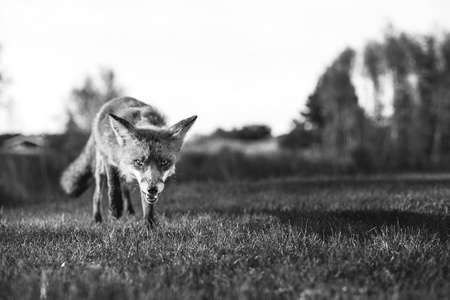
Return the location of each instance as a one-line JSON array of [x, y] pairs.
[[363, 159], [29, 177], [234, 165], [246, 133], [299, 138]]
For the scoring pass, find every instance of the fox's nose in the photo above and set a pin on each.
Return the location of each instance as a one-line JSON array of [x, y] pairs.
[[153, 190]]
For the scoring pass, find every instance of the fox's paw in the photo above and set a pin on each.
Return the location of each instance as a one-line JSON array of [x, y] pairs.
[[97, 218], [130, 210], [115, 213], [150, 223]]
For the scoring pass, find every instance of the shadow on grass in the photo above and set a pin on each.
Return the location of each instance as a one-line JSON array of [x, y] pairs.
[[345, 222], [362, 221]]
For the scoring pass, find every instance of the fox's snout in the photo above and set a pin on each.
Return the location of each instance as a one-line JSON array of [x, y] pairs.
[[151, 181], [151, 194], [151, 189]]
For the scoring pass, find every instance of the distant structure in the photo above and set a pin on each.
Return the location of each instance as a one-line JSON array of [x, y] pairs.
[[21, 144]]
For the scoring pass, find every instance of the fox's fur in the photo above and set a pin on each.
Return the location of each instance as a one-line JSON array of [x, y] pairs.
[[130, 140]]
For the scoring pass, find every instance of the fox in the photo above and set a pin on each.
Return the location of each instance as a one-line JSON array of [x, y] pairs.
[[130, 142]]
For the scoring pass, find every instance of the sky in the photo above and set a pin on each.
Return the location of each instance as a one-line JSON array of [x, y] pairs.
[[232, 63]]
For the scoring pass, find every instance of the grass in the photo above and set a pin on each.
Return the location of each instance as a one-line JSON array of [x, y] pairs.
[[381, 237]]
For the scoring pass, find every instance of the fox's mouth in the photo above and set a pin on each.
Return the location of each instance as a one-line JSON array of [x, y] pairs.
[[150, 198]]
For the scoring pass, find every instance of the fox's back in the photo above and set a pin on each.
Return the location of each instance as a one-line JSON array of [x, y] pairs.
[[134, 111]]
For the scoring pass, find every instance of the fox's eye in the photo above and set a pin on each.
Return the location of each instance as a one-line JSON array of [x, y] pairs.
[[137, 163], [165, 163]]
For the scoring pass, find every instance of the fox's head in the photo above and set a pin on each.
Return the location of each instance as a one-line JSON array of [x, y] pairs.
[[148, 153]]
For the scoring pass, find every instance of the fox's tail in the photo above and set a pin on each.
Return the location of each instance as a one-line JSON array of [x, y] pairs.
[[77, 177]]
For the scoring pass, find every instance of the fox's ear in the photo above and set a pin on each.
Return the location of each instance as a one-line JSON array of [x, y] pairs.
[[180, 129], [123, 129]]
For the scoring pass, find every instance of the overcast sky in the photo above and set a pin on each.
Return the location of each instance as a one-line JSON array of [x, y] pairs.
[[230, 62]]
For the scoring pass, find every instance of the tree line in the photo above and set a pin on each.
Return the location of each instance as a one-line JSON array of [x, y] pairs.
[[409, 73]]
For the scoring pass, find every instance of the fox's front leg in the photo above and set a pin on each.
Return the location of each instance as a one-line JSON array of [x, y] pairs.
[[99, 176], [148, 212], [128, 207], [114, 192], [97, 201]]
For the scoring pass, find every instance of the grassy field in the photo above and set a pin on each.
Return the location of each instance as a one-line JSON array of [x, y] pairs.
[[322, 238]]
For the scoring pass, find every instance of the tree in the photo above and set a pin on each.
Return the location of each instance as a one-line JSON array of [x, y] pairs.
[[375, 67], [314, 114], [333, 110], [425, 65], [398, 63], [2, 83], [441, 107], [87, 100], [6, 105]]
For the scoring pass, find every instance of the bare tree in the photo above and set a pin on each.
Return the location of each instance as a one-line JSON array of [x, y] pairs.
[[6, 104], [87, 100]]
